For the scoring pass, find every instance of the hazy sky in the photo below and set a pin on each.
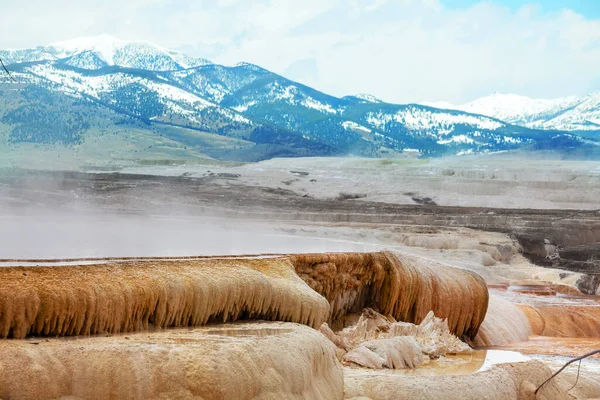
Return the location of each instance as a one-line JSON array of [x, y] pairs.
[[398, 50]]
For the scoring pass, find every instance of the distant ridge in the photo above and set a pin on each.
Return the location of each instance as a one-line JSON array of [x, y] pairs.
[[566, 113], [103, 97]]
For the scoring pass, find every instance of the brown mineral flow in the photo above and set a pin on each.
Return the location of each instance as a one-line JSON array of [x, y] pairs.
[[129, 296], [402, 286], [124, 296], [508, 322]]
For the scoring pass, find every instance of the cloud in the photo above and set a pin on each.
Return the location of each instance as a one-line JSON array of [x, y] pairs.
[[398, 50]]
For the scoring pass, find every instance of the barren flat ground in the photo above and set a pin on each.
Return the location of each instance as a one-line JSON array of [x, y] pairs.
[[392, 189]]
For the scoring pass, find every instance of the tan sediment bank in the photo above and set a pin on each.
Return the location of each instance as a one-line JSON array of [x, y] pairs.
[[501, 382], [556, 346], [263, 360]]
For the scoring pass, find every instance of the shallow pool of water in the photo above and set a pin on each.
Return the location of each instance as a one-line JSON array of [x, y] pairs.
[[460, 364], [555, 346], [260, 332]]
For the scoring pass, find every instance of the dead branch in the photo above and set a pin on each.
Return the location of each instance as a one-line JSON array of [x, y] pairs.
[[591, 353], [573, 215], [7, 71]]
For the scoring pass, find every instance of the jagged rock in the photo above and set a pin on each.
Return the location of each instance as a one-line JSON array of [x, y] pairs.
[[589, 284], [394, 353], [373, 332]]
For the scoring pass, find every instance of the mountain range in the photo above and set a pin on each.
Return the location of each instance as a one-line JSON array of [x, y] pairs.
[[104, 98]]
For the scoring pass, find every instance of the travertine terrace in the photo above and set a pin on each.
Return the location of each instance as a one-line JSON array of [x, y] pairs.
[[133, 301], [441, 262]]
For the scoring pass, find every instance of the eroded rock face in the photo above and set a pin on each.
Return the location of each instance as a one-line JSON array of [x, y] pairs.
[[227, 361], [397, 352], [589, 284], [121, 296], [575, 248]]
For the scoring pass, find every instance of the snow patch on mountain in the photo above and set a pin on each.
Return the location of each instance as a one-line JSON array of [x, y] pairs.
[[368, 97], [456, 139], [290, 94], [317, 105], [511, 139], [244, 107], [177, 100], [351, 125], [512, 107], [86, 60], [177, 95], [14, 56], [583, 115], [417, 118]]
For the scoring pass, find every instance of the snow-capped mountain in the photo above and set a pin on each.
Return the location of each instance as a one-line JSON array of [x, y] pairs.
[[169, 94], [95, 52], [150, 97], [566, 113], [379, 128]]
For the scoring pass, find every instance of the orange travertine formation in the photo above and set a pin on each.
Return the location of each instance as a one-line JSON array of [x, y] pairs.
[[130, 296], [574, 321], [402, 286]]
